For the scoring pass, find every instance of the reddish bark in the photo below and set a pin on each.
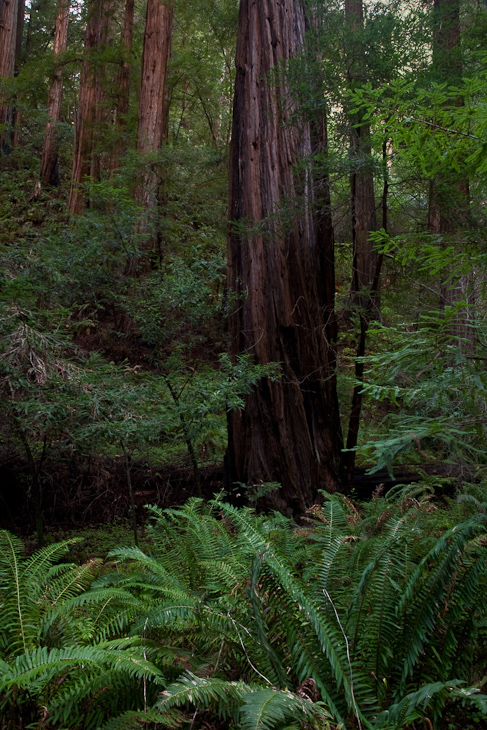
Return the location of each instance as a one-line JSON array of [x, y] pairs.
[[153, 107], [49, 163], [289, 431], [18, 61], [91, 112], [8, 42], [124, 83], [18, 36]]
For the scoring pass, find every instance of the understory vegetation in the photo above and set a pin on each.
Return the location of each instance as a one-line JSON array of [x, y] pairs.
[[367, 615]]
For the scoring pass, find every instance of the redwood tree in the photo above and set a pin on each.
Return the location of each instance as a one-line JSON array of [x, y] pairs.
[[8, 43], [289, 430], [366, 262], [124, 84], [153, 107], [91, 111], [448, 212], [49, 163], [364, 217]]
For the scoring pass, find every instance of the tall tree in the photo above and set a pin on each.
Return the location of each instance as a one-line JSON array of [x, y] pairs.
[[124, 85], [49, 163], [153, 107], [364, 217], [8, 43], [90, 112], [366, 262], [448, 212], [16, 115], [448, 196], [289, 431]]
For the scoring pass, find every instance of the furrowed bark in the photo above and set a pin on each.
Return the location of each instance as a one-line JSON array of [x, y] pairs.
[[124, 83], [16, 114], [91, 112], [8, 42], [49, 163], [153, 107], [289, 431]]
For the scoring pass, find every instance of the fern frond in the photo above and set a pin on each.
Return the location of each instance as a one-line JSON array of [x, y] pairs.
[[264, 709], [133, 719], [425, 590], [190, 689]]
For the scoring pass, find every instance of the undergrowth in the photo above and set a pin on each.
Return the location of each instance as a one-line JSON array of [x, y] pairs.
[[366, 616]]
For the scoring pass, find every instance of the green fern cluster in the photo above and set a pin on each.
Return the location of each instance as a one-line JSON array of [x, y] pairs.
[[368, 617], [52, 661], [382, 609]]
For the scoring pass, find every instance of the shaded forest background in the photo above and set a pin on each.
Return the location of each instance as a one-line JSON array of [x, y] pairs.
[[115, 129]]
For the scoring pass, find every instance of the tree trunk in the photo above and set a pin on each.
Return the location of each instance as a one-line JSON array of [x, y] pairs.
[[16, 115], [8, 42], [153, 107], [366, 262], [289, 431], [49, 164], [124, 83], [364, 218], [448, 212], [91, 113]]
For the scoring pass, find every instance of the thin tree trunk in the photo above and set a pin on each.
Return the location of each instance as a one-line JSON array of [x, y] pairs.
[[124, 84], [8, 41], [19, 36], [153, 107], [364, 318], [448, 212], [289, 431], [188, 440], [128, 473], [364, 218], [90, 113], [49, 163], [36, 491], [16, 115], [367, 263]]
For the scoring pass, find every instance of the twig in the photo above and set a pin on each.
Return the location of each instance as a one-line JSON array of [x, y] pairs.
[[445, 129], [357, 715]]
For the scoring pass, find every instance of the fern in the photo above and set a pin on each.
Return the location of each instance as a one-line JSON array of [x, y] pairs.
[[251, 707], [367, 605]]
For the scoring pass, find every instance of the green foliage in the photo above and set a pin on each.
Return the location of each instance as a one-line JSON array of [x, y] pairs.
[[257, 594], [436, 391], [380, 611], [47, 654]]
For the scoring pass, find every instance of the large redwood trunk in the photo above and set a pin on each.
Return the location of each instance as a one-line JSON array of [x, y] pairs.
[[8, 43], [153, 107], [91, 111], [289, 431], [49, 163]]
